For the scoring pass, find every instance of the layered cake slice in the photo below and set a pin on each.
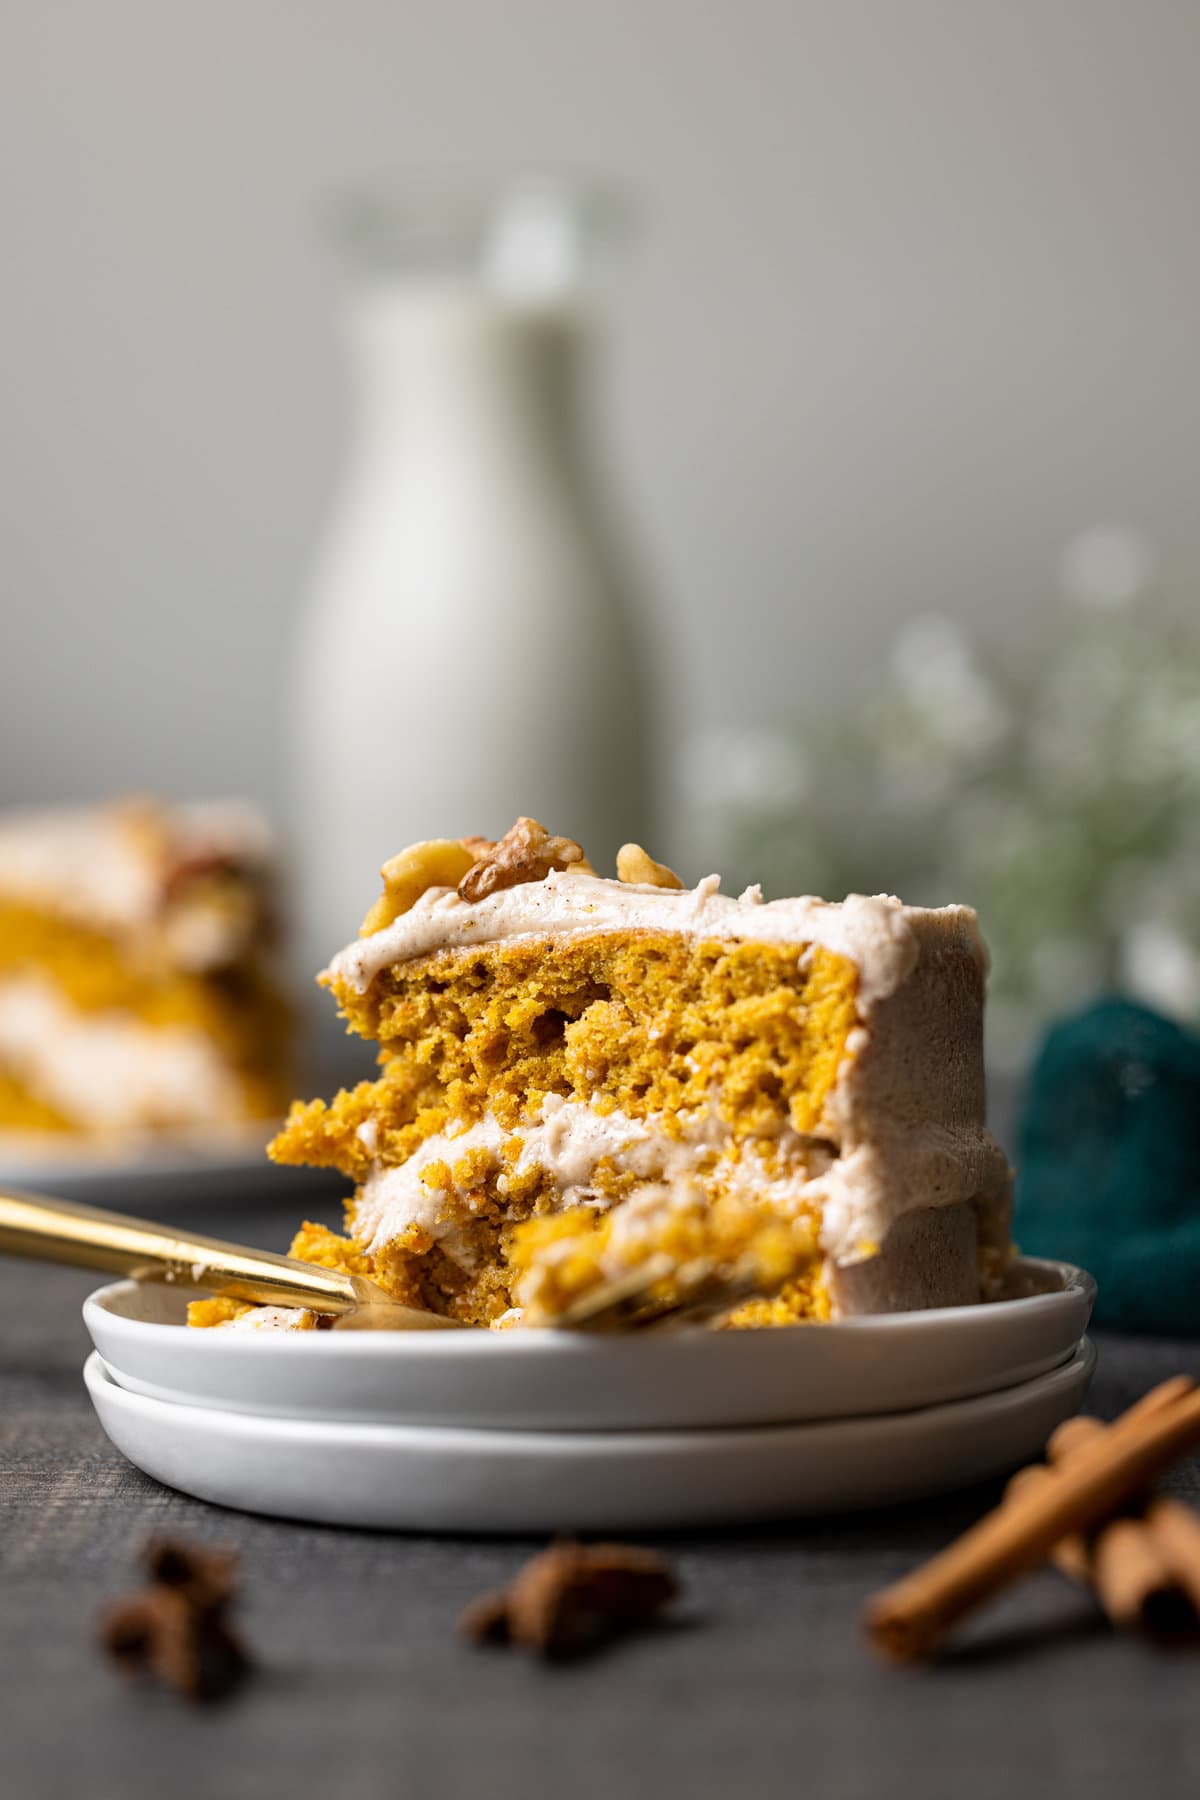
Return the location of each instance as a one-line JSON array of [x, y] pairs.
[[577, 1074], [138, 989]]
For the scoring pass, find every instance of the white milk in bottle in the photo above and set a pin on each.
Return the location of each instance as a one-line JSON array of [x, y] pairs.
[[468, 650]]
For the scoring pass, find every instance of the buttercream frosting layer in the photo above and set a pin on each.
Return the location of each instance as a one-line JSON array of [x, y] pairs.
[[878, 934], [566, 1143]]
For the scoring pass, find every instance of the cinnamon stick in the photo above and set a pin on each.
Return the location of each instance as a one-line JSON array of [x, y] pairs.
[[1070, 1555], [1175, 1530], [907, 1620], [1133, 1580], [1156, 1399], [1134, 1584]]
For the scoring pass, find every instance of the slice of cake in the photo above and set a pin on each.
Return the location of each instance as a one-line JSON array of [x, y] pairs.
[[577, 1074], [138, 989]]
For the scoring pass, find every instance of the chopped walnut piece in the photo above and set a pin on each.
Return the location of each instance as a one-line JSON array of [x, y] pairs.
[[439, 862], [634, 865], [176, 1630], [526, 853], [479, 847], [571, 1597]]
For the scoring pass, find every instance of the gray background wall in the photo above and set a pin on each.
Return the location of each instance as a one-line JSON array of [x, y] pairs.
[[918, 297]]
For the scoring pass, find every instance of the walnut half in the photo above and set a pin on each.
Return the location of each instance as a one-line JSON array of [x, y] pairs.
[[526, 853]]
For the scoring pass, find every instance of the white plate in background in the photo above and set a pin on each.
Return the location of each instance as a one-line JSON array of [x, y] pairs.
[[544, 1380], [412, 1478], [211, 1174]]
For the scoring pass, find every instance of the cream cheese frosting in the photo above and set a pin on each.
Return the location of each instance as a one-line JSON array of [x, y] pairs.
[[875, 932], [857, 1195], [266, 1318]]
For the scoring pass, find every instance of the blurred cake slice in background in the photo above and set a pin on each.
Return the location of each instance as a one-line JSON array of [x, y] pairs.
[[139, 993], [578, 1074]]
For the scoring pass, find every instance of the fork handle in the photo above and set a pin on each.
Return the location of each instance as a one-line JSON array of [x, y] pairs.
[[50, 1230]]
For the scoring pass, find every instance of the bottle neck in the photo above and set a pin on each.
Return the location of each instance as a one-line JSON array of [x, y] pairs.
[[455, 368]]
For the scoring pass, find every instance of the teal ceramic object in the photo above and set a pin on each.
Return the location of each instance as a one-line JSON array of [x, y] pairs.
[[1108, 1173]]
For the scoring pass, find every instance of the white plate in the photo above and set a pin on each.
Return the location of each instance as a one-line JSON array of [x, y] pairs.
[[409, 1478], [227, 1168], [558, 1381]]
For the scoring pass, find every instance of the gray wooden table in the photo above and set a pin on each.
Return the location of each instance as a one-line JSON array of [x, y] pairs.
[[762, 1687]]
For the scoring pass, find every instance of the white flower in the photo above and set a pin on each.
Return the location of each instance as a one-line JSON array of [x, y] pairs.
[[1107, 566], [939, 677]]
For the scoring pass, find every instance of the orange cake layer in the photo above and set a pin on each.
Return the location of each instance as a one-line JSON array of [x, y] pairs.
[[634, 1033]]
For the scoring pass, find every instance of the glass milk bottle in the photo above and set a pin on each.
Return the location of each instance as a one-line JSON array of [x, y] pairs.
[[468, 651]]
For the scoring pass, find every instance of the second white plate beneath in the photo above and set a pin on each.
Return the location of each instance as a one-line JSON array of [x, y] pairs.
[[408, 1478]]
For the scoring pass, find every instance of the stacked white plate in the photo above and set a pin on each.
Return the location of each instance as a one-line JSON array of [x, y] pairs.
[[536, 1431]]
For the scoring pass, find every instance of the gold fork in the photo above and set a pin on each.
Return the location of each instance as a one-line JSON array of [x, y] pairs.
[[659, 1291]]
